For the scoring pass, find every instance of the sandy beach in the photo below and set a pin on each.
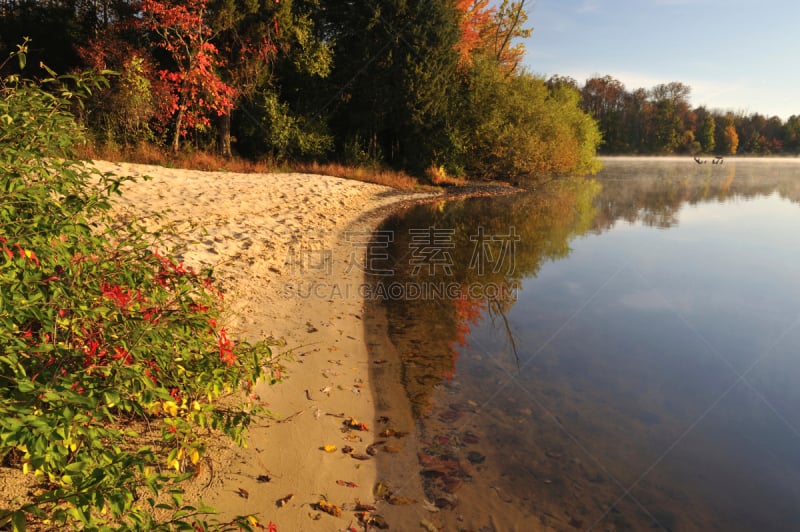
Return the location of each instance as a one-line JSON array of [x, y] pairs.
[[270, 238]]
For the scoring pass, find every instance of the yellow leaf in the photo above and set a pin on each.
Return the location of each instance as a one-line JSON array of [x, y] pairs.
[[194, 456], [171, 408], [329, 448]]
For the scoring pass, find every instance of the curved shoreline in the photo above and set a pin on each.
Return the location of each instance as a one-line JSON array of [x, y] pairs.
[[264, 235]]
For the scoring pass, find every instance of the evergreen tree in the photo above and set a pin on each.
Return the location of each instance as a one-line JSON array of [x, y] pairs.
[[395, 68]]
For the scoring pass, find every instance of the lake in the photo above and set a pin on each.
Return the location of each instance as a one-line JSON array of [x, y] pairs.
[[619, 352]]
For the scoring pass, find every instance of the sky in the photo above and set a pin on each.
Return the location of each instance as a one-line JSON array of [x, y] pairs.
[[737, 55]]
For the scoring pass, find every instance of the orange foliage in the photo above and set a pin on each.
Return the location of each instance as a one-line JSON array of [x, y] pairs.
[[476, 15]]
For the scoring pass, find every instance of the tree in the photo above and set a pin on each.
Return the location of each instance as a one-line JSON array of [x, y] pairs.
[[190, 71], [475, 18], [265, 45], [392, 85], [727, 140], [705, 133], [516, 128], [604, 99], [670, 102], [500, 37]]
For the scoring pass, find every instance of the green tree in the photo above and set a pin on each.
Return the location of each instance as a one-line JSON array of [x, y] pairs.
[[393, 81], [670, 104], [516, 128], [270, 47], [706, 130]]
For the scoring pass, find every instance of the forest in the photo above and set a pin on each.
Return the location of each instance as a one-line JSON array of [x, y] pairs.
[[661, 121], [434, 88], [430, 87]]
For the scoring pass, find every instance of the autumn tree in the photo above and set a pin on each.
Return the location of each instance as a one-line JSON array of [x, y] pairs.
[[191, 62], [503, 34], [603, 98], [727, 138], [475, 18]]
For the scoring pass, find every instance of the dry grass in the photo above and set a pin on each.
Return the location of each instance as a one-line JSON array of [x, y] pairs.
[[380, 176], [145, 153], [438, 176]]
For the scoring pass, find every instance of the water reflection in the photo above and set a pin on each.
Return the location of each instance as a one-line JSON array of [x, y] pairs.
[[642, 374]]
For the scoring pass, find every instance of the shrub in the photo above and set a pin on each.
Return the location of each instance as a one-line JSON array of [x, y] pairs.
[[99, 334], [515, 128]]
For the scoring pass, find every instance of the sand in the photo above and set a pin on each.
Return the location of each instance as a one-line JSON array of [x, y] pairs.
[[269, 237]]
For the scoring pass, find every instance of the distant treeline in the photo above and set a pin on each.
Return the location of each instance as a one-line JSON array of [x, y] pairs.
[[660, 121], [427, 86]]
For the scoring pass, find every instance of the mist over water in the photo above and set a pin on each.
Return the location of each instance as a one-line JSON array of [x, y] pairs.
[[643, 371]]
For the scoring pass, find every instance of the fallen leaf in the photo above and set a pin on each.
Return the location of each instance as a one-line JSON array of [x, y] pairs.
[[284, 500], [347, 449], [359, 456], [360, 507], [377, 521], [354, 424], [399, 500], [263, 478], [242, 493], [382, 490], [329, 448], [329, 508], [429, 506], [347, 484]]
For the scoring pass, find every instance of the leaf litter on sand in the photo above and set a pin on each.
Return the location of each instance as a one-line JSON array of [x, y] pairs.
[[353, 423], [283, 501], [383, 490], [329, 508]]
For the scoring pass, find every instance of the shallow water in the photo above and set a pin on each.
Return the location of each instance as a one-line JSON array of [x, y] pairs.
[[616, 353]]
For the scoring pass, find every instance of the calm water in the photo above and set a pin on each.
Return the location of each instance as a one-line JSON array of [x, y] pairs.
[[616, 353]]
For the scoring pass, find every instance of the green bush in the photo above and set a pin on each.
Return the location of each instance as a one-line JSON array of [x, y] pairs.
[[99, 335], [516, 128]]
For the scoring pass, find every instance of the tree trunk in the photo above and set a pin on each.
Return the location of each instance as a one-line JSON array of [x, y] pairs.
[[176, 140], [224, 140]]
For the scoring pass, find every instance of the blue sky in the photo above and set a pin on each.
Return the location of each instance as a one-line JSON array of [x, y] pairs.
[[735, 55]]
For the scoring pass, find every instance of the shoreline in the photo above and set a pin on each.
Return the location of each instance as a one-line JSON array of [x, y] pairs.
[[250, 229]]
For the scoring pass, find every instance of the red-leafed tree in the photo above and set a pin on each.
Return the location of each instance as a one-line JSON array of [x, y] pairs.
[[493, 31], [197, 92], [476, 16]]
